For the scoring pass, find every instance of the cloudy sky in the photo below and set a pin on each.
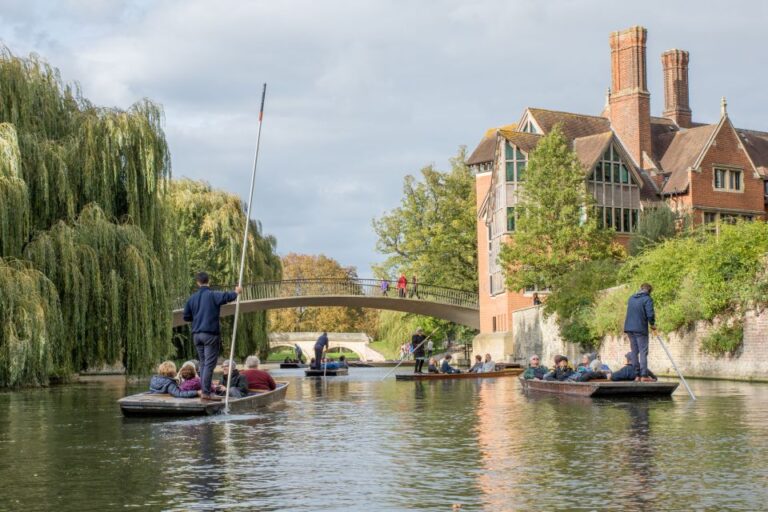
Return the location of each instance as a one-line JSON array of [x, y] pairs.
[[362, 93]]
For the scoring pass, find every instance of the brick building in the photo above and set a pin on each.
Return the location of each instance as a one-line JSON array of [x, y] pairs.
[[714, 172]]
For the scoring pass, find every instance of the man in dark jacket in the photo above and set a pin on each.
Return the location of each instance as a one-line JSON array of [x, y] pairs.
[[419, 350], [203, 309], [640, 314], [320, 345], [239, 386]]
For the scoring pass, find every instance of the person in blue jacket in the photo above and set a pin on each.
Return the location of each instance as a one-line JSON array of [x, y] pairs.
[[321, 345], [640, 315], [203, 310], [446, 366]]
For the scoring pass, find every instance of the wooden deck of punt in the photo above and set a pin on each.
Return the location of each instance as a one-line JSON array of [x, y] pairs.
[[325, 373], [600, 388], [152, 404], [450, 376], [283, 366]]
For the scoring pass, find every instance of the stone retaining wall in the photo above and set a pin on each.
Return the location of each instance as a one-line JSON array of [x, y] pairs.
[[534, 334]]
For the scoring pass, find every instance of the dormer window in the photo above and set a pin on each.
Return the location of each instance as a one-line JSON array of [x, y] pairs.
[[515, 163], [529, 127], [612, 169]]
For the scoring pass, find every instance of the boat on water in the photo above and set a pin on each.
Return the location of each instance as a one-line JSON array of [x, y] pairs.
[[284, 366], [331, 372], [359, 364], [156, 404], [600, 388], [511, 372]]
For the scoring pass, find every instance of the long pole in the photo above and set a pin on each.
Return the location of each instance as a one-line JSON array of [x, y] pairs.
[[242, 255], [403, 358], [679, 373]]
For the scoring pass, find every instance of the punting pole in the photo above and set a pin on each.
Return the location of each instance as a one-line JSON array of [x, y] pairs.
[[245, 245], [403, 358], [679, 373]]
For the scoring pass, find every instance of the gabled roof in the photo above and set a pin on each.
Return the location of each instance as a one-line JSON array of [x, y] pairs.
[[591, 148], [484, 152], [681, 154], [525, 141], [573, 125], [756, 144]]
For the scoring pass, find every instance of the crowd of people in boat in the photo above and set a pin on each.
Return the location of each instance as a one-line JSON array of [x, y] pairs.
[[186, 382], [591, 367], [329, 363]]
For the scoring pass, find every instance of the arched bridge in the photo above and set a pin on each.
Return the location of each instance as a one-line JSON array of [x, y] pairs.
[[449, 304]]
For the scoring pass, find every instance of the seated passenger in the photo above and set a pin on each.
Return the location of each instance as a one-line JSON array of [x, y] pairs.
[[488, 364], [478, 366], [597, 370], [257, 379], [582, 369], [628, 372], [562, 371], [330, 365], [343, 362], [189, 381], [312, 363], [432, 366], [239, 386], [165, 382], [535, 370], [446, 366], [287, 360]]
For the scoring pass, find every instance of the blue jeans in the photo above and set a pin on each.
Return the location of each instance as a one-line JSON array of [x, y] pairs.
[[208, 347], [638, 343]]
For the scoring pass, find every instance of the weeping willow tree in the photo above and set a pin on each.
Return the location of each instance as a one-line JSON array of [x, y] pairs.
[[208, 225], [32, 342], [113, 289], [14, 201]]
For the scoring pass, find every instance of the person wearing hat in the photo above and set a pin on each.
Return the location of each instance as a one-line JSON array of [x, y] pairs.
[[203, 310], [535, 369], [640, 314], [418, 349], [239, 386], [562, 369]]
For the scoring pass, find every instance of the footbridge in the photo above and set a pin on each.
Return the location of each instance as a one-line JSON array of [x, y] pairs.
[[355, 342], [450, 304]]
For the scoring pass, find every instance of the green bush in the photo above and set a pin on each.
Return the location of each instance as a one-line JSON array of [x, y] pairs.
[[655, 225], [725, 339], [608, 312]]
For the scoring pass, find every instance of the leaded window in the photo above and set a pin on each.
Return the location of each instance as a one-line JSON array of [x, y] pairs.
[[515, 163]]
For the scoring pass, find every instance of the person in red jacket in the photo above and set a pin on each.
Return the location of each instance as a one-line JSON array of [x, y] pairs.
[[257, 379], [402, 284]]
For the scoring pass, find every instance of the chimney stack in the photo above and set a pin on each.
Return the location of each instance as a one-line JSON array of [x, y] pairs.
[[630, 101], [676, 107]]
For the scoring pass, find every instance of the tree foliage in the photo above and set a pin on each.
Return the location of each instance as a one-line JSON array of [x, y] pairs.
[[655, 225], [315, 319], [554, 233]]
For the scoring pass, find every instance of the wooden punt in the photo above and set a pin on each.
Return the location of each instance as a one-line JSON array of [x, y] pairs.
[[313, 372], [450, 376], [359, 364], [600, 388], [284, 366], [153, 404]]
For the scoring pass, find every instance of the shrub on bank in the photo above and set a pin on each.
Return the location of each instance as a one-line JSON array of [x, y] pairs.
[[724, 339]]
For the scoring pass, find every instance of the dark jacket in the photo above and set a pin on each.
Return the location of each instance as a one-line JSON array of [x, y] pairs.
[[202, 309], [535, 373], [447, 368], [559, 374], [432, 369], [417, 345], [627, 372], [239, 381], [640, 313], [322, 341], [161, 384]]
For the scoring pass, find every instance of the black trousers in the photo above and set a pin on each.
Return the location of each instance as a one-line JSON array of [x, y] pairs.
[[319, 357], [208, 347], [419, 364]]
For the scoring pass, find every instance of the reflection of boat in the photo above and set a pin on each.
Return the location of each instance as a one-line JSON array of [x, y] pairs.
[[283, 366], [600, 388], [336, 372], [155, 404], [447, 376]]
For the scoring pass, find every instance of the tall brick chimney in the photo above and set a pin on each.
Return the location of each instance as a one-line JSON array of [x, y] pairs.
[[676, 107], [630, 102]]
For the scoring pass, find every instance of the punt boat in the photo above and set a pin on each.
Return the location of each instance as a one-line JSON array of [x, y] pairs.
[[511, 372], [314, 372], [155, 404], [600, 388], [284, 366]]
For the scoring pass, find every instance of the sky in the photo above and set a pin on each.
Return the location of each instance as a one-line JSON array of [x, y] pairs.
[[362, 93]]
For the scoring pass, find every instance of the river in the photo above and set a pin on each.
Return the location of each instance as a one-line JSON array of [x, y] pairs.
[[357, 443]]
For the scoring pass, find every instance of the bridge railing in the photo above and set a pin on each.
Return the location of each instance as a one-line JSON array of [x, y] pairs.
[[352, 286]]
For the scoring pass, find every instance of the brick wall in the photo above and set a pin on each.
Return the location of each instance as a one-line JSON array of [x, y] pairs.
[[535, 334]]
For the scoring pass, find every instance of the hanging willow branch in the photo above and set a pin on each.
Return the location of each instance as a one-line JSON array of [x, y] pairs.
[[14, 204]]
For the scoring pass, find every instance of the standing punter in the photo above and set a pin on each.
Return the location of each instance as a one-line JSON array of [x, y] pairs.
[[640, 314], [203, 309], [320, 345]]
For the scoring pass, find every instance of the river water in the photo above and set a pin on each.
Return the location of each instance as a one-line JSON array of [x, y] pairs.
[[357, 443]]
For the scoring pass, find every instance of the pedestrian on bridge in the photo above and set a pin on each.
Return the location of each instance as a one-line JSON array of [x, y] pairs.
[[414, 287], [321, 345], [384, 287], [203, 310], [402, 284]]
